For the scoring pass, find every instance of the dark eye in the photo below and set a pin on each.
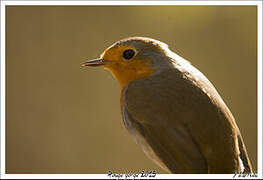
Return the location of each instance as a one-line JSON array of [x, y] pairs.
[[128, 54]]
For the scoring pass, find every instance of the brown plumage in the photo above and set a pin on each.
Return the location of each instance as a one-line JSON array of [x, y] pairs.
[[172, 110]]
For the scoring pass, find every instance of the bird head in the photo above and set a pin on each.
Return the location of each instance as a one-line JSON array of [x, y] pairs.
[[132, 58]]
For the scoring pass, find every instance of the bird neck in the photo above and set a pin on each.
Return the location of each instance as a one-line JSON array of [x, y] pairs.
[[126, 75]]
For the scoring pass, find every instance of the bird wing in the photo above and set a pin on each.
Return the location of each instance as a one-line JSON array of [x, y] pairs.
[[172, 148], [184, 121]]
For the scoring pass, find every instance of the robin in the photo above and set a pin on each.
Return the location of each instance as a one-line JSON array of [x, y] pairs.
[[172, 110]]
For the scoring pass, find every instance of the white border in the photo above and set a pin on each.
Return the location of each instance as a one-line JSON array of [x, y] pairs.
[[137, 3], [259, 117], [2, 89]]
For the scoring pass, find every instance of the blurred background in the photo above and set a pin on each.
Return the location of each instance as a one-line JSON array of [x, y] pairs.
[[64, 118]]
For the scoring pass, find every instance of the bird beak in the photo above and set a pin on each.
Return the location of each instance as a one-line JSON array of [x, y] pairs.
[[94, 62]]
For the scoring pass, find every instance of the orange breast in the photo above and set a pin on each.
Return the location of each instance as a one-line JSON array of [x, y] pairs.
[[127, 72]]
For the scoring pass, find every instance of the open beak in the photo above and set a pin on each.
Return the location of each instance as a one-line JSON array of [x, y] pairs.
[[94, 62]]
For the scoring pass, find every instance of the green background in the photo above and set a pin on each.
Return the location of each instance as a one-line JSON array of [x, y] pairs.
[[64, 118]]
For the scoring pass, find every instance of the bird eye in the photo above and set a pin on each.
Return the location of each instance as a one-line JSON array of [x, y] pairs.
[[128, 54]]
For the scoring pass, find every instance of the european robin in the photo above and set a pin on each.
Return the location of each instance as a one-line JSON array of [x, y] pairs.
[[172, 110]]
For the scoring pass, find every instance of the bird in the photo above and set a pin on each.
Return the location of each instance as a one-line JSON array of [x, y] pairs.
[[172, 110]]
